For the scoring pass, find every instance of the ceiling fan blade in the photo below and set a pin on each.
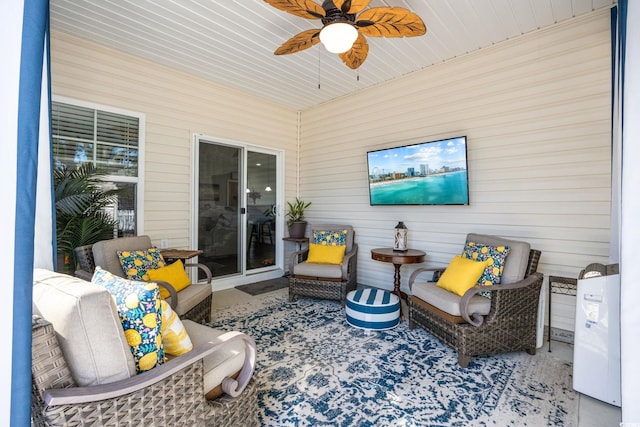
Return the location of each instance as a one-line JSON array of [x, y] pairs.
[[355, 56], [302, 8], [299, 42], [352, 6], [390, 22]]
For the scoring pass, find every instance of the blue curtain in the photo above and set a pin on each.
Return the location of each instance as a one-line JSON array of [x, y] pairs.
[[32, 173]]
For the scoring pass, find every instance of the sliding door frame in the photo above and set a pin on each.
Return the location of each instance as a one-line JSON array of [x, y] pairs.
[[245, 276]]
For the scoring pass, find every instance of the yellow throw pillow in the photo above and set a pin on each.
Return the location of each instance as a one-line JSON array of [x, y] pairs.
[[321, 254], [175, 339], [173, 274], [461, 275]]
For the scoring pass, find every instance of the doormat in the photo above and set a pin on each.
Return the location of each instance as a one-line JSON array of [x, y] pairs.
[[260, 288]]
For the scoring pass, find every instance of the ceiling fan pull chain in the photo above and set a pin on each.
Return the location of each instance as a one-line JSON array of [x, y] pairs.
[[319, 55]]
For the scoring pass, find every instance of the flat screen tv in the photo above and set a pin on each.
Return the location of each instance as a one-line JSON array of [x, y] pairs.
[[428, 173]]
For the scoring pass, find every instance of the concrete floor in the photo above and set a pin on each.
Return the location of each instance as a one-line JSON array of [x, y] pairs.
[[592, 412]]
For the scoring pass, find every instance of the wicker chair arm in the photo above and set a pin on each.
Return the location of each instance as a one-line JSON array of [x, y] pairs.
[[421, 270], [202, 267], [172, 292], [296, 256], [349, 260], [83, 274], [79, 395], [477, 320]]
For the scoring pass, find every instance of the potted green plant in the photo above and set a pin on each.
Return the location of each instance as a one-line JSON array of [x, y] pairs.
[[295, 218], [81, 202]]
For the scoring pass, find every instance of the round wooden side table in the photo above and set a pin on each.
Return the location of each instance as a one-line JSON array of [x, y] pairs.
[[398, 258]]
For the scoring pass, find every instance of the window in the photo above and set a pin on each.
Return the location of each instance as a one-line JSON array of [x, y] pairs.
[[109, 139]]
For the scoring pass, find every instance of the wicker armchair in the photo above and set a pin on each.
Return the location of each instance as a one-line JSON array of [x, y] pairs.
[[473, 325], [193, 302], [172, 394], [322, 280]]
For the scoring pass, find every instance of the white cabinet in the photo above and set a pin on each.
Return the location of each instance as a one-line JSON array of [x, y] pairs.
[[596, 355]]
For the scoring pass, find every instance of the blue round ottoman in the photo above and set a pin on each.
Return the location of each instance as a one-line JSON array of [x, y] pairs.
[[373, 309]]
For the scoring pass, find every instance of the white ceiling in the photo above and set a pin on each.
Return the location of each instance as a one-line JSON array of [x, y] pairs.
[[231, 42]]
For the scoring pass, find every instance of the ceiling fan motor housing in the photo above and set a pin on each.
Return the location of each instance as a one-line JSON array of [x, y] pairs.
[[333, 14]]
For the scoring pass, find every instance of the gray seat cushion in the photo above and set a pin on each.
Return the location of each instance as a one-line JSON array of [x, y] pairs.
[[447, 301], [329, 271], [86, 322], [191, 296]]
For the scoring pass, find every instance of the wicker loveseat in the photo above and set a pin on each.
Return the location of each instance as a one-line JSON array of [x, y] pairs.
[[473, 324], [325, 281], [192, 302], [83, 371]]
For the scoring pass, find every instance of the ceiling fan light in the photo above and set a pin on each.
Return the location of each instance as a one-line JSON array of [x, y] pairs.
[[338, 37]]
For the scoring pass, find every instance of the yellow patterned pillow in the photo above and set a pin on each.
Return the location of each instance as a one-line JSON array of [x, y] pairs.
[[461, 275], [175, 339], [321, 254], [173, 274]]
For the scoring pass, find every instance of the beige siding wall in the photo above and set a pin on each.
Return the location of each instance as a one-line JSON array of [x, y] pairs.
[[176, 105], [536, 113]]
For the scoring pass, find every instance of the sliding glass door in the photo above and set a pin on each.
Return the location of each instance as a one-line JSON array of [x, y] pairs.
[[237, 202], [219, 204], [261, 191]]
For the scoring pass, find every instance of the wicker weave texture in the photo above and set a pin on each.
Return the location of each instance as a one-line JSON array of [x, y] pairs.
[[84, 255], [510, 325], [201, 313], [238, 411], [175, 401], [49, 369], [320, 289]]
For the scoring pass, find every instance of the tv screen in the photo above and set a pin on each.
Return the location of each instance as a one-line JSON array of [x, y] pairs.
[[429, 173]]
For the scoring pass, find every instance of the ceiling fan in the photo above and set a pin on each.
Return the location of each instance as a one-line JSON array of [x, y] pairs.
[[342, 31]]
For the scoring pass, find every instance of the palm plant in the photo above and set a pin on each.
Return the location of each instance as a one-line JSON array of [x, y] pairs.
[[81, 217]]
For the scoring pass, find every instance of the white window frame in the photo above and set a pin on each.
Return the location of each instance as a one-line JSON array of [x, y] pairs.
[[139, 180]]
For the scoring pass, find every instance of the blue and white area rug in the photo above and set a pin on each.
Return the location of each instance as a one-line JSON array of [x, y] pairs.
[[313, 369]]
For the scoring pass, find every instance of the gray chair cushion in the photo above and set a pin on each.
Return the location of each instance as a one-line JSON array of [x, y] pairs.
[[329, 271], [105, 252], [191, 296], [448, 301], [515, 265], [87, 325]]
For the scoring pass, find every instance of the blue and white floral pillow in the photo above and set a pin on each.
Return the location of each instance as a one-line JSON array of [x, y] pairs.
[[330, 237], [135, 264], [140, 313], [496, 255]]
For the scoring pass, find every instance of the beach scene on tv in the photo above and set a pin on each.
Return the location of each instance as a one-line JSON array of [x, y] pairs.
[[430, 173]]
